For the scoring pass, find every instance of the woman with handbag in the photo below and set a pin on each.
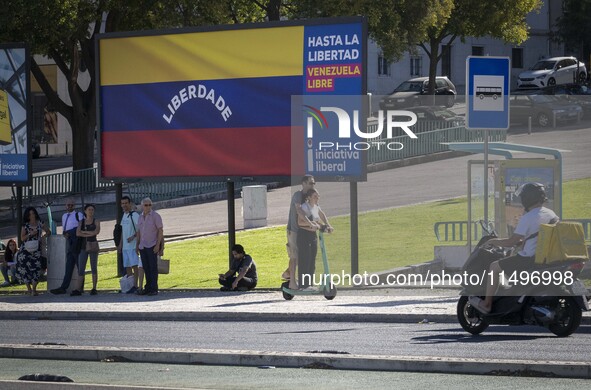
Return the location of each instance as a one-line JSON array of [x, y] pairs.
[[28, 259], [88, 229]]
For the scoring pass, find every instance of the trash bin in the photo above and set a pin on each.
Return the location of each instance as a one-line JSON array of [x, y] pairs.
[[56, 263], [254, 206]]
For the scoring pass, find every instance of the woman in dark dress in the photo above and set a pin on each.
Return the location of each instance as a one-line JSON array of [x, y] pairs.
[[28, 261]]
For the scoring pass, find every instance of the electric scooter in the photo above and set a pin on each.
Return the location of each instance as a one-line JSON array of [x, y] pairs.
[[326, 288]]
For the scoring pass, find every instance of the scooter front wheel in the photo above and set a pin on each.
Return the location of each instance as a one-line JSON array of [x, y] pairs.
[[568, 317], [470, 318], [330, 291], [287, 296]]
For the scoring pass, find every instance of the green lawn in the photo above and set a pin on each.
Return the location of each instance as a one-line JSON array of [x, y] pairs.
[[387, 239]]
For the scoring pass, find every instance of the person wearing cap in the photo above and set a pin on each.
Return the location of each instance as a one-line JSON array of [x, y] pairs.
[[533, 197]]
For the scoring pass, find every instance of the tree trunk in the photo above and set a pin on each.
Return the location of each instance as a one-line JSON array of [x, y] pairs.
[[433, 60]]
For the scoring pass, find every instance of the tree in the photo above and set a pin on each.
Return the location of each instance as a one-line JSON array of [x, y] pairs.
[[395, 25], [476, 18], [574, 27]]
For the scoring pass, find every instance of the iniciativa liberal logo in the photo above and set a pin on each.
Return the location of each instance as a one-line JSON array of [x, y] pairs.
[[388, 120]]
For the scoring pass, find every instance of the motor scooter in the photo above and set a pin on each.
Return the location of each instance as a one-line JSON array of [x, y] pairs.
[[555, 300]]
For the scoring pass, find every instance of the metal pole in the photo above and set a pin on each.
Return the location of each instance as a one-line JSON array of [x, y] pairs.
[[485, 179], [469, 181], [529, 125], [354, 229], [231, 220], [19, 213]]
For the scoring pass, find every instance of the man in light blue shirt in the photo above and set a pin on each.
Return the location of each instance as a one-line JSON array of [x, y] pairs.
[[128, 244], [70, 221]]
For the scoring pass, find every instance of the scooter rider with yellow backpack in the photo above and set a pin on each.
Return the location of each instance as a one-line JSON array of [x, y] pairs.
[[533, 196]]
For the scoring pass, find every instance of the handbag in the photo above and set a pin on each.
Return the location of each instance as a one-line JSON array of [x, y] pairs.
[[126, 283], [32, 246], [163, 265], [92, 246], [79, 244]]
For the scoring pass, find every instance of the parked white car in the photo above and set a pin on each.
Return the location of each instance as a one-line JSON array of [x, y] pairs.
[[552, 71]]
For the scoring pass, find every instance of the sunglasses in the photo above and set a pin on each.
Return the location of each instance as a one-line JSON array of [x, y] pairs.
[[148, 205]]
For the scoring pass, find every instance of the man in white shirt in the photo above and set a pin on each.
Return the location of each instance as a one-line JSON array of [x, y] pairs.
[[70, 221], [533, 196]]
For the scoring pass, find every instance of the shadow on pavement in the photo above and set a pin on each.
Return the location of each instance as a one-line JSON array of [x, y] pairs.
[[421, 302]]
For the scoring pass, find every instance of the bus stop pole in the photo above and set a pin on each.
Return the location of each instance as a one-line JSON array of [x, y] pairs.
[[354, 229], [485, 179]]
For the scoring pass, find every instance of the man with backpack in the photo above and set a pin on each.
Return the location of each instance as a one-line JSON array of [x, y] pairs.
[[70, 221], [127, 245]]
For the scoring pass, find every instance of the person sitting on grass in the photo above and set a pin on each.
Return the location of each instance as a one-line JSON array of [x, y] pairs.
[[244, 266], [8, 263]]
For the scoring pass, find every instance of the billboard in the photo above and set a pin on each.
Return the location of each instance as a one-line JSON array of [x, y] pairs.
[[216, 103], [15, 156]]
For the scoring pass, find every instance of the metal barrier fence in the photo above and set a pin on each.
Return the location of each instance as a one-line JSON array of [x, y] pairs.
[[164, 191], [453, 231], [456, 230], [70, 182], [428, 142]]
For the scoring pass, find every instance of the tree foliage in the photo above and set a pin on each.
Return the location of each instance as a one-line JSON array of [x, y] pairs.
[[505, 20], [574, 27]]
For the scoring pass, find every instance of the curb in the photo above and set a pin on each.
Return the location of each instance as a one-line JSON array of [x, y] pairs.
[[226, 316], [402, 318], [38, 385], [424, 364]]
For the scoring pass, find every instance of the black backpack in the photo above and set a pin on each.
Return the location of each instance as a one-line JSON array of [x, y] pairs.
[[117, 232]]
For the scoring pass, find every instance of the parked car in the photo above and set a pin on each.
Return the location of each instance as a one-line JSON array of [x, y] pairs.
[[552, 71], [435, 113], [541, 108], [574, 93], [413, 92]]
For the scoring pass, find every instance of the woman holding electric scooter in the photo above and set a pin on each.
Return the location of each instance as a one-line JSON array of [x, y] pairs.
[[308, 239]]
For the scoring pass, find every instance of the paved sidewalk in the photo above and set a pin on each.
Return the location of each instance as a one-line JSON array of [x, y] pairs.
[[376, 305], [366, 305]]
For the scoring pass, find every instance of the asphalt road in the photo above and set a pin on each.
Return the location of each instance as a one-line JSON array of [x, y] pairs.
[[436, 340]]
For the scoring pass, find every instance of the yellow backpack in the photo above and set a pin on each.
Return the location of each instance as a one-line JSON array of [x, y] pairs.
[[560, 242]]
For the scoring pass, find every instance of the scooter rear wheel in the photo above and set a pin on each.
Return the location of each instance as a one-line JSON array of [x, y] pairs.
[[470, 318], [287, 296], [568, 317]]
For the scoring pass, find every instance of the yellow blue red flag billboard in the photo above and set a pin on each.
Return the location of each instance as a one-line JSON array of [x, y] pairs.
[[216, 103]]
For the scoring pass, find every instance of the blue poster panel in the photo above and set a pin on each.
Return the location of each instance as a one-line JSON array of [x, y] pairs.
[[15, 156]]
